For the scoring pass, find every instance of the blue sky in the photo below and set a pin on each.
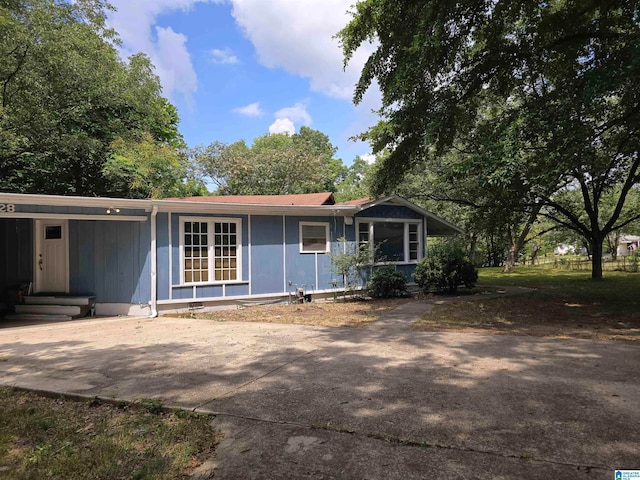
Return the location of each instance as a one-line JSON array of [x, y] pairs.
[[237, 69]]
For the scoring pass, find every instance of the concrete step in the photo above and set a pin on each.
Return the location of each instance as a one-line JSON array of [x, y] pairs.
[[70, 310], [62, 300], [35, 316]]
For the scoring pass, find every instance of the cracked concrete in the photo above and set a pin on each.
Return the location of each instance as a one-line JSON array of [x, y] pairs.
[[380, 402]]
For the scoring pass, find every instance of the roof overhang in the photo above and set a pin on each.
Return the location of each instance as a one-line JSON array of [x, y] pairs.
[[176, 206], [436, 226]]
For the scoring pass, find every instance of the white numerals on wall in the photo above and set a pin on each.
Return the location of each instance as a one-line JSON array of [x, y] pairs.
[[7, 208]]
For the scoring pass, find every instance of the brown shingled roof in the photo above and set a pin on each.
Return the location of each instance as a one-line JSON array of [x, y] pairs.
[[324, 198]]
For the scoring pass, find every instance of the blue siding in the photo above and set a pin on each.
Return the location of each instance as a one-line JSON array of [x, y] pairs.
[[301, 267], [162, 249], [237, 290], [182, 292], [16, 252], [206, 291], [267, 271], [175, 253], [110, 260], [389, 211]]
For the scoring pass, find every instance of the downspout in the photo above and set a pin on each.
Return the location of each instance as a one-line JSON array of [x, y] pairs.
[[154, 265]]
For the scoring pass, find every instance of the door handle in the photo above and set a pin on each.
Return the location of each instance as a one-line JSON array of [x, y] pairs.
[[40, 263]]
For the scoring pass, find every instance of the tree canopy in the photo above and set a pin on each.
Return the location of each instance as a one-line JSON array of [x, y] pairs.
[[535, 98], [66, 96], [274, 164]]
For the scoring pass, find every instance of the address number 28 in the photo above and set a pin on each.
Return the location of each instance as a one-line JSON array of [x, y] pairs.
[[7, 208]]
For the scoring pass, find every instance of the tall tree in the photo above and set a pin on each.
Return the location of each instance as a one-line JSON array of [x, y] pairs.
[[565, 75], [272, 165], [66, 96], [356, 183]]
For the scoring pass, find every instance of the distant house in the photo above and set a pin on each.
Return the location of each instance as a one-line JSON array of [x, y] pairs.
[[628, 245], [121, 256], [564, 249]]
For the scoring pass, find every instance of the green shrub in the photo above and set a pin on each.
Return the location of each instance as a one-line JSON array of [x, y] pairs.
[[445, 268], [387, 282]]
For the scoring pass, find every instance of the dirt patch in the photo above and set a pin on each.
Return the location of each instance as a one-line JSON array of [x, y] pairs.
[[350, 313], [537, 314]]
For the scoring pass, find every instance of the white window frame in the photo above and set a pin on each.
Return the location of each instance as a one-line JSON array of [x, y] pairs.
[[406, 222], [210, 221], [326, 235]]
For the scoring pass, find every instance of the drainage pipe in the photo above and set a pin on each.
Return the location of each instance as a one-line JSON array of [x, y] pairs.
[[154, 265]]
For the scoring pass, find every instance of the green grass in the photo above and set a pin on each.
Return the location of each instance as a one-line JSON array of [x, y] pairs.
[[616, 293], [42, 438], [557, 303]]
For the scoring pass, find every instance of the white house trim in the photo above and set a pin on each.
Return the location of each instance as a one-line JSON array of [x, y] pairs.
[[327, 236], [75, 216], [405, 239], [210, 249]]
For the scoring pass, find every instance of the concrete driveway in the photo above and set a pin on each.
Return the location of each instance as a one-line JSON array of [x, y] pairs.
[[379, 402]]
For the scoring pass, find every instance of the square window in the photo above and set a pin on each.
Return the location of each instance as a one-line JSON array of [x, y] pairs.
[[314, 237]]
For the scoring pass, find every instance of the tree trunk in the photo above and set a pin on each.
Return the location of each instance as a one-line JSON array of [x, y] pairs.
[[473, 248], [510, 261], [534, 253], [596, 259]]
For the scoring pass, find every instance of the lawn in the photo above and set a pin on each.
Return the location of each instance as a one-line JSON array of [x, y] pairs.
[[44, 437], [351, 313], [561, 304]]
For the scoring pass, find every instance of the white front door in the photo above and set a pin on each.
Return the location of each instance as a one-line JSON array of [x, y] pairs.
[[52, 256]]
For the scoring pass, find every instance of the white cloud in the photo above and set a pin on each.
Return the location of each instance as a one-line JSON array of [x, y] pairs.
[[173, 63], [297, 113], [251, 110], [135, 21], [298, 37], [225, 57], [370, 158], [282, 125]]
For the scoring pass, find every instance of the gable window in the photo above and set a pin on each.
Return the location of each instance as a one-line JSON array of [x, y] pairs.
[[396, 241], [314, 237], [211, 250]]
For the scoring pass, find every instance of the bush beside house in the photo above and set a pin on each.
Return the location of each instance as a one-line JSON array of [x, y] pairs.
[[386, 282], [445, 268]]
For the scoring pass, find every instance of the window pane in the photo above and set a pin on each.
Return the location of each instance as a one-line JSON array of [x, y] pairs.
[[224, 251], [389, 238], [314, 238], [195, 250], [53, 232]]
